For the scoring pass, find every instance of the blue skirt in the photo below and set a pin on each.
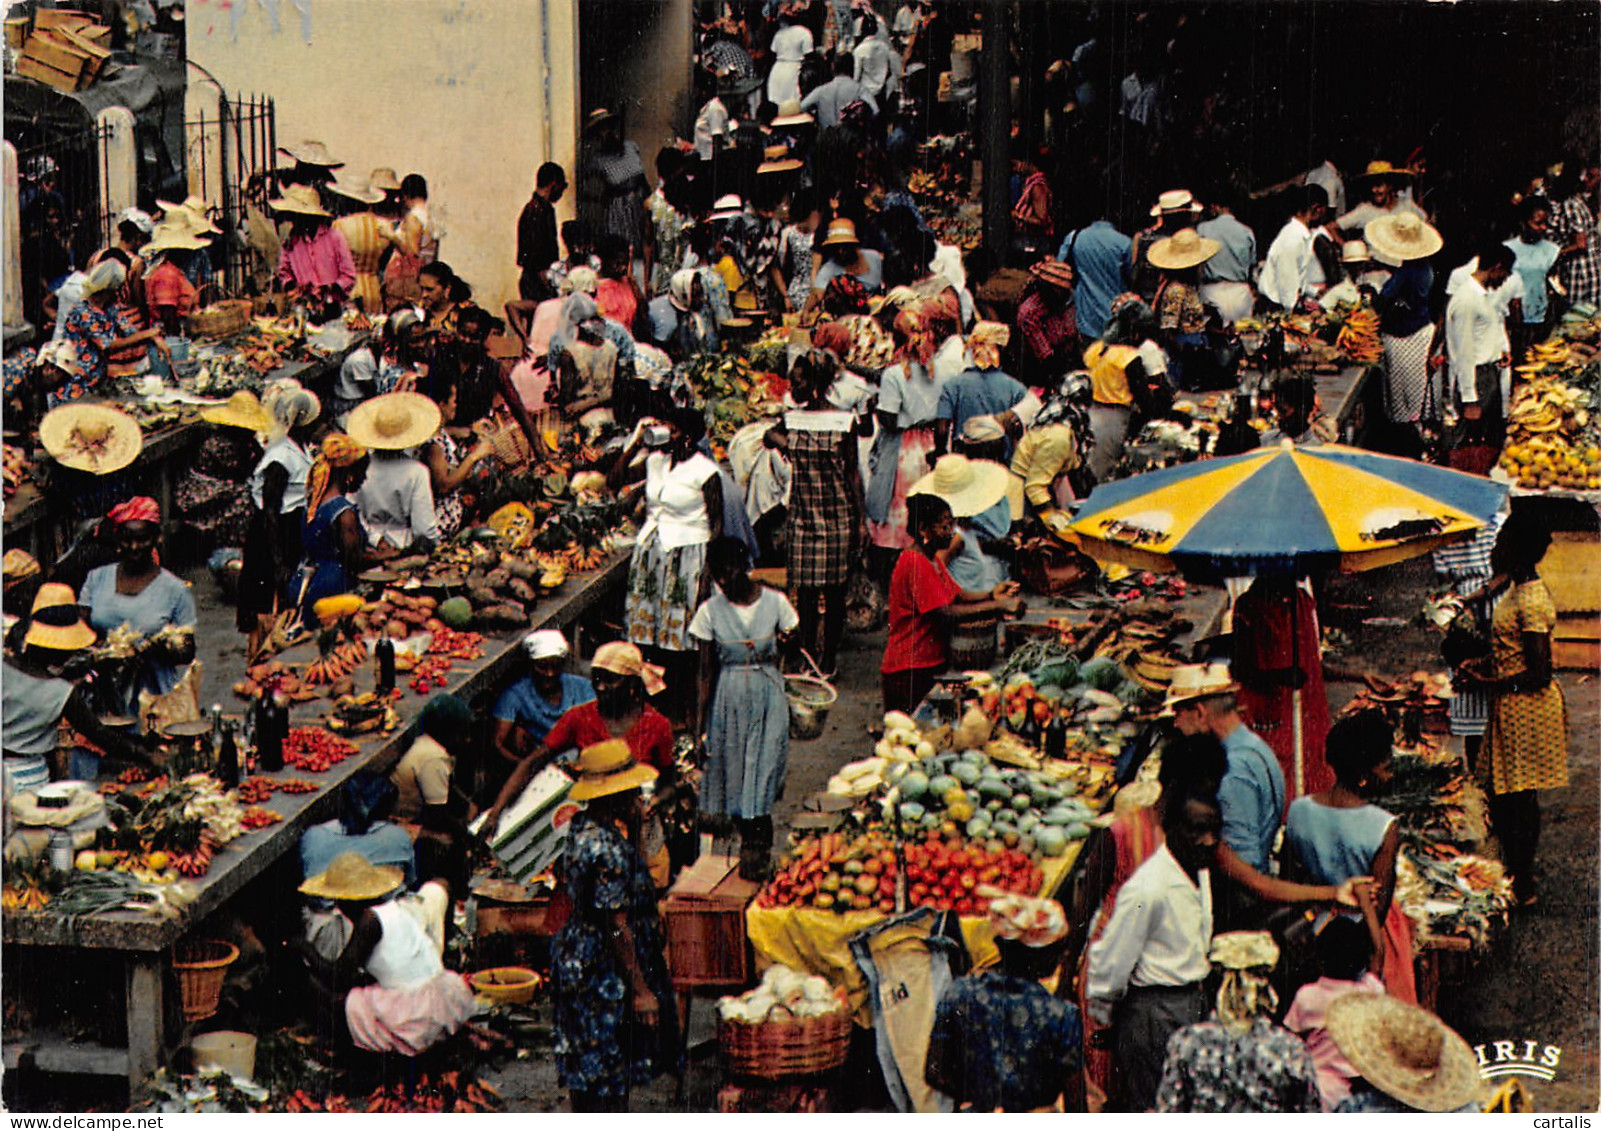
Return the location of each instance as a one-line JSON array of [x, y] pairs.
[[747, 737]]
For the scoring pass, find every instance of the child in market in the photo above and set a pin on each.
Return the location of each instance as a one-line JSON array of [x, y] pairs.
[[1349, 955]]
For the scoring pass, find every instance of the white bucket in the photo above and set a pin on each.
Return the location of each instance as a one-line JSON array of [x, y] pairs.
[[234, 1053]]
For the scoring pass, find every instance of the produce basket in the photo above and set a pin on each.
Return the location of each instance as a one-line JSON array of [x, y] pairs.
[[511, 447], [508, 985], [221, 319], [809, 703], [201, 966], [789, 1046]]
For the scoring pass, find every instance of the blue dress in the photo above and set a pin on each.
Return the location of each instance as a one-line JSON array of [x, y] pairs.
[[322, 569], [597, 1047]]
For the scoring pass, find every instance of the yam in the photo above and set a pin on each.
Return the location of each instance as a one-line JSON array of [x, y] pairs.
[[482, 596], [414, 561], [520, 589], [519, 567], [498, 578], [397, 630], [506, 615], [425, 603]]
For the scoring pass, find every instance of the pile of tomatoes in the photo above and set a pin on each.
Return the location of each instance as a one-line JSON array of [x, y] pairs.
[[430, 673], [457, 645], [314, 749], [256, 817]]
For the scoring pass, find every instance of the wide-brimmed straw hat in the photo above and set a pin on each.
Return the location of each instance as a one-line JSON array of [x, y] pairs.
[[357, 188], [598, 117], [841, 231], [18, 565], [384, 178], [1053, 272], [91, 437], [1194, 682], [1377, 169], [780, 165], [312, 153], [969, 486], [1405, 1052], [1355, 251], [192, 213], [175, 235], [57, 622], [1182, 250], [791, 114], [242, 410], [1403, 236], [607, 768], [352, 876], [303, 200], [622, 658], [1175, 200], [394, 421], [726, 207]]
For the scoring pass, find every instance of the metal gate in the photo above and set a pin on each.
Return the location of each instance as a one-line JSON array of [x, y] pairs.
[[65, 170], [233, 157]]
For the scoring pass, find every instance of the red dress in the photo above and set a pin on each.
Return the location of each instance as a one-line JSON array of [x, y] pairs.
[[1262, 631]]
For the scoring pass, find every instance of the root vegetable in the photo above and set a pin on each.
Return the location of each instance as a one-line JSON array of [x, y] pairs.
[[505, 615], [519, 567], [482, 596]]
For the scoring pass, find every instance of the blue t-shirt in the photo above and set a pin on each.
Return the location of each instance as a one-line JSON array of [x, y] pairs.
[[978, 392], [1533, 262], [165, 601], [1251, 797], [521, 703], [384, 843], [1099, 256]]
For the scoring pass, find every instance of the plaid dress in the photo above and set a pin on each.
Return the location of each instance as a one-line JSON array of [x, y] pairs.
[[1580, 272], [822, 513]]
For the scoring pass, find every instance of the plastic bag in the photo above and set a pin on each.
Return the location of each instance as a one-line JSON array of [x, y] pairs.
[[180, 705]]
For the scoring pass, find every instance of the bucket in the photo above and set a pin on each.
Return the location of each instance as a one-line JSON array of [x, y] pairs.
[[973, 643], [809, 702], [234, 1053]]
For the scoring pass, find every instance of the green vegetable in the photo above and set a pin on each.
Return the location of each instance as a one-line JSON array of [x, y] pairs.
[[457, 613]]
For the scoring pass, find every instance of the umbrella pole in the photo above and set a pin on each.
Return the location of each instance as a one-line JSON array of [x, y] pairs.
[[1298, 737]]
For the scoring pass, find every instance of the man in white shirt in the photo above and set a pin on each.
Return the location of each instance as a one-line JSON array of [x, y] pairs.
[[397, 503], [828, 100], [877, 67], [1477, 348], [1286, 272], [1145, 972]]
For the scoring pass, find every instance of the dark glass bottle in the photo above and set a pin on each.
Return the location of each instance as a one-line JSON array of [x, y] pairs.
[[1056, 735], [384, 653], [269, 734], [228, 760]]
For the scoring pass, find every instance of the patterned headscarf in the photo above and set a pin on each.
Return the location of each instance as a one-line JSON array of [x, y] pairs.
[[581, 281], [835, 337], [918, 333], [1247, 957], [681, 288], [986, 342], [576, 309], [141, 508], [338, 450], [844, 295]]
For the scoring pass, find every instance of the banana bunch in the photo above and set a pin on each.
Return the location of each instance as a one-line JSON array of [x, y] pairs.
[[1545, 404], [1359, 336]]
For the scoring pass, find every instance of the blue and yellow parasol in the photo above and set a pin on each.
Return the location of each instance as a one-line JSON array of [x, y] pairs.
[[1283, 509]]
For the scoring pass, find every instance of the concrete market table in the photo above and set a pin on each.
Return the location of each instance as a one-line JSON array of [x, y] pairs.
[[141, 942]]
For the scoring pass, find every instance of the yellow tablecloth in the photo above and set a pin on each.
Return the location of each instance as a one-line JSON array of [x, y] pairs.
[[818, 942]]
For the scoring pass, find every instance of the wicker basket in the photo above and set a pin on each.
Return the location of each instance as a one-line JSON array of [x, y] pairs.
[[511, 447], [793, 1046], [221, 319], [201, 966]]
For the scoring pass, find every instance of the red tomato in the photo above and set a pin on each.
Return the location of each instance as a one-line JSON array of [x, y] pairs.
[[918, 893], [887, 906], [968, 880], [886, 886], [942, 904], [963, 907]]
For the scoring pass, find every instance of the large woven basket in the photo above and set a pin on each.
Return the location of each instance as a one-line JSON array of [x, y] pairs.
[[511, 447], [790, 1046], [201, 966], [217, 321]]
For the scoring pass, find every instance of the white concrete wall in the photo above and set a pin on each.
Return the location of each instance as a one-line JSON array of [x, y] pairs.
[[11, 243], [453, 89]]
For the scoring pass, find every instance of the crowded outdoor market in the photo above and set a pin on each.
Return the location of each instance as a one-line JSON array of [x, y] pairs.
[[801, 556]]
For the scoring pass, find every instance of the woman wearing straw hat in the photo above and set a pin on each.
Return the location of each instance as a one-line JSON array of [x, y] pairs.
[[138, 593], [412, 1001], [367, 236], [1406, 1059], [170, 295], [843, 254], [35, 698], [96, 331], [214, 498], [397, 499], [316, 263], [1240, 1061], [1406, 326], [314, 165], [278, 488], [615, 1020], [985, 500], [1180, 313], [614, 184], [1383, 183]]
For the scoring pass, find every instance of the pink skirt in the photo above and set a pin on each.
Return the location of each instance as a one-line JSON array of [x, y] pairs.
[[912, 465], [408, 1021]]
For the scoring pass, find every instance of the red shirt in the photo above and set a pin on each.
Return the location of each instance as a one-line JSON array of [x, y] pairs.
[[168, 286], [651, 739], [614, 298], [918, 589]]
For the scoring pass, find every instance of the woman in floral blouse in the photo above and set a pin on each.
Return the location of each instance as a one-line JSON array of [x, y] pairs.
[[96, 329]]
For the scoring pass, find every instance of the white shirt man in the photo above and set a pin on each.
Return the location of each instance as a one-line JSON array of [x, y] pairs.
[[1475, 326], [877, 67], [1286, 272], [712, 123]]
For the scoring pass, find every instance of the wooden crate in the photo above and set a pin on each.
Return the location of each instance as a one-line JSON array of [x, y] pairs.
[[30, 67], [704, 914], [94, 54], [514, 919], [61, 17]]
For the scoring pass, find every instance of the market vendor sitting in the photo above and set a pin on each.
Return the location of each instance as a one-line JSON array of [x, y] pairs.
[[532, 705], [316, 263], [983, 497], [35, 697], [398, 996], [138, 594], [1001, 1040], [397, 498], [170, 295], [431, 803], [366, 804]]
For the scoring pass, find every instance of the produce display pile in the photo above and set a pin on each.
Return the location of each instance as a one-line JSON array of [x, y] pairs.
[[735, 391], [783, 994]]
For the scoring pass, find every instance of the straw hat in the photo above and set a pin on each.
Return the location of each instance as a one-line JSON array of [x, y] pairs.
[[394, 421], [622, 658], [841, 231], [192, 212], [91, 437], [384, 179], [1175, 200], [1192, 682], [57, 621], [970, 486], [18, 565], [780, 165], [727, 207], [1384, 169], [175, 235], [1355, 251], [301, 199], [351, 876], [312, 153], [791, 114], [607, 768], [598, 117], [242, 410], [1182, 250], [1053, 272], [357, 188], [1403, 236], [1405, 1052]]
